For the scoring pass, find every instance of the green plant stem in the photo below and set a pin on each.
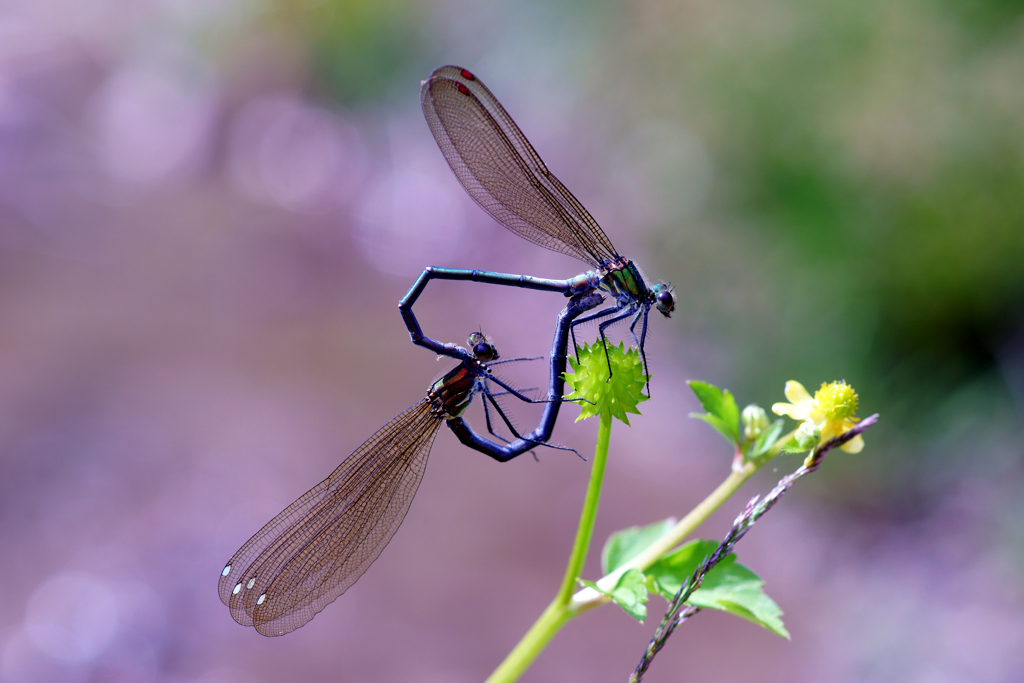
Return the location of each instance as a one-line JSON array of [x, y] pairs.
[[585, 529], [565, 606], [557, 613], [587, 599]]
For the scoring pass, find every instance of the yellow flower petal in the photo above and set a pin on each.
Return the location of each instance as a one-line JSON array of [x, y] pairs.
[[801, 412], [830, 429], [795, 392], [854, 445]]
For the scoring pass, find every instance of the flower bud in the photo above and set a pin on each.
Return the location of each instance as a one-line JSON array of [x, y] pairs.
[[807, 435], [755, 421], [600, 395]]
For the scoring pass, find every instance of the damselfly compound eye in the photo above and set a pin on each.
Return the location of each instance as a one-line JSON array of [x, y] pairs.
[[664, 298]]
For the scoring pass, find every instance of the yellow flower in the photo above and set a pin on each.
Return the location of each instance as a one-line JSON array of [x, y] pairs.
[[831, 409]]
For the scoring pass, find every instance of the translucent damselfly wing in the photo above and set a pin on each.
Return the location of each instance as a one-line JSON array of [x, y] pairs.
[[311, 553], [502, 172]]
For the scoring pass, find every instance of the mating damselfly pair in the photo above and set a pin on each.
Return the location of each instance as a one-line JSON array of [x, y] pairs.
[[316, 548]]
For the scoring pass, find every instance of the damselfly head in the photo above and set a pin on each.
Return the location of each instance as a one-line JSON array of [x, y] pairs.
[[664, 298], [483, 349]]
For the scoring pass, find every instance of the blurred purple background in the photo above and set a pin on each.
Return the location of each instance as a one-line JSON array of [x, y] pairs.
[[209, 210]]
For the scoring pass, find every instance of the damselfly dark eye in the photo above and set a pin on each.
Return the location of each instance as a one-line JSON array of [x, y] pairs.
[[484, 351], [666, 299]]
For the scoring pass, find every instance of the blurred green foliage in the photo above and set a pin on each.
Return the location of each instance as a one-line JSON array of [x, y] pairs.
[[873, 154], [357, 50]]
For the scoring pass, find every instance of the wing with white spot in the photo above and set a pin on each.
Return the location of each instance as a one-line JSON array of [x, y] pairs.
[[310, 554]]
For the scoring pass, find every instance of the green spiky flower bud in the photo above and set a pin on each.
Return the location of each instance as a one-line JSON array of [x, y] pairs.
[[600, 396]]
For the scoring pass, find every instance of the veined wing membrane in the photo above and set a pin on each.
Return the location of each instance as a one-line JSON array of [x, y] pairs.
[[502, 172], [311, 553]]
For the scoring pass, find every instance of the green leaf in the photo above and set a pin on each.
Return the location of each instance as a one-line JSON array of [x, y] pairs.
[[723, 414], [722, 428], [623, 546], [739, 591], [730, 586], [672, 568], [792, 446], [764, 442], [629, 593]]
